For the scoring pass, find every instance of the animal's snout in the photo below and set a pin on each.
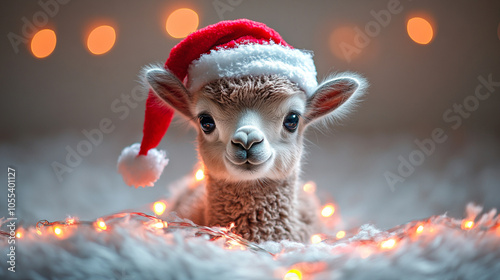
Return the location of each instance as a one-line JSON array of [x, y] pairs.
[[246, 137]]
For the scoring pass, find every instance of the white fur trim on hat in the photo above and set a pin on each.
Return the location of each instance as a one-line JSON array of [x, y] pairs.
[[141, 170], [254, 59]]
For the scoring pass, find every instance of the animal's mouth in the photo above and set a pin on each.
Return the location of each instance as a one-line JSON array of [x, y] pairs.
[[248, 165]]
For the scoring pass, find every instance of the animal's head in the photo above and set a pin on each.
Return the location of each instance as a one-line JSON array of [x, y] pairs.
[[249, 94], [252, 127]]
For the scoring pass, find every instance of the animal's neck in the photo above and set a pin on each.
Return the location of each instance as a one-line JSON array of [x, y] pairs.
[[260, 210]]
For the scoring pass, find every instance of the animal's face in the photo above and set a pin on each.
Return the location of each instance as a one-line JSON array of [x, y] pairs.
[[250, 128]]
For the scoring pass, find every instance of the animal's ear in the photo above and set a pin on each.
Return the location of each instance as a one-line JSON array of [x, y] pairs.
[[169, 88], [335, 97]]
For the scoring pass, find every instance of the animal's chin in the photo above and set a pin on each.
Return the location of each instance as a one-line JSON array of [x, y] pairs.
[[247, 170]]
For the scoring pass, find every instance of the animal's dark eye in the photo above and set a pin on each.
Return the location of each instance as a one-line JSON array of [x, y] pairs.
[[291, 122], [207, 123]]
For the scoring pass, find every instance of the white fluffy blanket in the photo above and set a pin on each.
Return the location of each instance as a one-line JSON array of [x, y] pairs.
[[134, 247], [349, 174]]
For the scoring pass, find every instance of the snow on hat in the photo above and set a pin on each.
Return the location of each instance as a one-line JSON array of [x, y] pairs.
[[225, 49]]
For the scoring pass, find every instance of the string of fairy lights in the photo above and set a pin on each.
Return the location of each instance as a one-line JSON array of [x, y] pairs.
[[383, 241]]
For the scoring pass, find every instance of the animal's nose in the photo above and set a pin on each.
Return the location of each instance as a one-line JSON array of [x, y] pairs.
[[247, 136]]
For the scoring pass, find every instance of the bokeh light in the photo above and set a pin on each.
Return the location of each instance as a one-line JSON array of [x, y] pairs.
[[159, 207], [100, 225], [419, 229], [101, 39], [388, 244], [310, 187], [340, 234], [316, 238], [293, 274], [343, 43], [58, 231], [467, 224], [182, 22], [420, 30], [43, 43], [199, 175], [328, 210]]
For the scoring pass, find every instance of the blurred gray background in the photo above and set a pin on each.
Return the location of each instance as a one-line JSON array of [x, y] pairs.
[[47, 103]]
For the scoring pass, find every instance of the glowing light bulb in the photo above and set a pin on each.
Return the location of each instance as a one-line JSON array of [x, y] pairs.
[[159, 225], [340, 234], [316, 239], [100, 225], [467, 224], [199, 175], [309, 187], [101, 39], [388, 244], [70, 221], [58, 231], [43, 43], [328, 210], [19, 234], [181, 22], [420, 30], [419, 229], [159, 207], [293, 274]]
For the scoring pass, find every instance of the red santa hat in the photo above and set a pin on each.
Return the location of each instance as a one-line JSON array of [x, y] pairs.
[[225, 49]]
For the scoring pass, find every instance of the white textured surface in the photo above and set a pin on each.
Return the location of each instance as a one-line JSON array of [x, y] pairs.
[[348, 170], [129, 250]]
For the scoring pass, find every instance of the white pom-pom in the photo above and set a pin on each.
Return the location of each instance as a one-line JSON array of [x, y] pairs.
[[141, 170]]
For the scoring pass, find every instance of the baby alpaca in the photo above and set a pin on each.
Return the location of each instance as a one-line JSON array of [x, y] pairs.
[[250, 96], [250, 141]]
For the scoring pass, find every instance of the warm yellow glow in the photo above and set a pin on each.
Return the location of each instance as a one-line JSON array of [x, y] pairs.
[[388, 244], [340, 234], [182, 22], [328, 210], [58, 231], [101, 39], [419, 229], [19, 234], [159, 225], [467, 224], [159, 207], [293, 274], [233, 245], [420, 30], [101, 225], [310, 187], [199, 175], [316, 239], [70, 221], [43, 43]]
